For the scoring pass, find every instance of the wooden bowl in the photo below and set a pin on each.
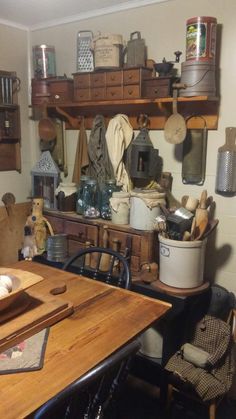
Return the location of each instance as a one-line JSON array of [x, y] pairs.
[[11, 297]]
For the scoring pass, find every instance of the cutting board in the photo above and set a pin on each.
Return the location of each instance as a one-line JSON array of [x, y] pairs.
[[32, 312]]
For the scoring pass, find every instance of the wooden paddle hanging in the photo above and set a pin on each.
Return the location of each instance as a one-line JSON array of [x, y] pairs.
[[175, 126]]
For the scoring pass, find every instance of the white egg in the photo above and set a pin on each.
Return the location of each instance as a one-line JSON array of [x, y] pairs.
[[3, 292], [6, 281]]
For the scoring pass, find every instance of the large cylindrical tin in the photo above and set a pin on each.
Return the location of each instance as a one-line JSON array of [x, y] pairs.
[[201, 38], [44, 61]]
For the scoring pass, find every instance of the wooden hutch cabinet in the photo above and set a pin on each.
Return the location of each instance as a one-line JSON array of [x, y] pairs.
[[141, 246]]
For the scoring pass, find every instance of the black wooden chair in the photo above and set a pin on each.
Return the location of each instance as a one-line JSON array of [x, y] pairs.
[[94, 394], [102, 264]]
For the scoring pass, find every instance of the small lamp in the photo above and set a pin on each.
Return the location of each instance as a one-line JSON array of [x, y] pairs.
[[45, 178]]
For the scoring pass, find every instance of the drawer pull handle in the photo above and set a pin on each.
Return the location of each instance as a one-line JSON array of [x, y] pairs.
[[130, 92], [130, 76], [57, 97], [156, 90]]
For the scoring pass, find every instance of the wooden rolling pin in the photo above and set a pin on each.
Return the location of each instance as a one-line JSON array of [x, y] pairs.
[[202, 212]]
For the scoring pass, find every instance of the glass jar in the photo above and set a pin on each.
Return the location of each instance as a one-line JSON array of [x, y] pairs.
[[79, 197], [90, 199], [106, 194]]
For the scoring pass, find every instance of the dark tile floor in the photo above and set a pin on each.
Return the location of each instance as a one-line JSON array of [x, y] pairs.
[[139, 400]]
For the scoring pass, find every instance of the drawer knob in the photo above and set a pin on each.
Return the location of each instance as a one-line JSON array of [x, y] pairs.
[[57, 96]]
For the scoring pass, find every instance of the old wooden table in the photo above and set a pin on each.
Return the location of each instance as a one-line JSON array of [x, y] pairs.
[[105, 319]]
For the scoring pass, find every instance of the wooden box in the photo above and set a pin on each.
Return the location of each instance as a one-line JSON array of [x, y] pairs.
[[157, 87], [61, 91]]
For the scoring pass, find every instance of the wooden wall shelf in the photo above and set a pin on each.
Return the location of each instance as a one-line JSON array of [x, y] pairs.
[[158, 110]]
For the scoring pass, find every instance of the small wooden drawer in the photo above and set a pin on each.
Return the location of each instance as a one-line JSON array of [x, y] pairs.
[[82, 94], [157, 87], [61, 91], [136, 75], [98, 79], [82, 232], [81, 81], [114, 78], [98, 93], [115, 92], [132, 91]]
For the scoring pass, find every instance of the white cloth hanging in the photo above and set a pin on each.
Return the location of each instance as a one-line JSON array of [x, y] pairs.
[[118, 137]]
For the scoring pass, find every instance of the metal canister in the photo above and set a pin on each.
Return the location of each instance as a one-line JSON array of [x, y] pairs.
[[201, 38], [44, 61]]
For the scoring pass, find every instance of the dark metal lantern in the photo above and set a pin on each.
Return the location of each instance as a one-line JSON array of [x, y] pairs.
[[143, 156]]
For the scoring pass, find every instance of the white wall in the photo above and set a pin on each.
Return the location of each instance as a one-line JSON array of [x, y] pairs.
[[163, 27], [14, 57]]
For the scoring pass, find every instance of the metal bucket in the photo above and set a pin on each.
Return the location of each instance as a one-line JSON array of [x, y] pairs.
[[199, 78], [57, 248]]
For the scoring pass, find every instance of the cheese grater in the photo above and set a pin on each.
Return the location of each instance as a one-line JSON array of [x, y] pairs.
[[85, 62], [226, 164]]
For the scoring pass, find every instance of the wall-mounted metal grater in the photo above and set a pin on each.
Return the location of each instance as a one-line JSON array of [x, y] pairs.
[[85, 61]]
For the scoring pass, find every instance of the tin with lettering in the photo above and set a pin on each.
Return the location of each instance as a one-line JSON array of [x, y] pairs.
[[44, 61], [201, 38]]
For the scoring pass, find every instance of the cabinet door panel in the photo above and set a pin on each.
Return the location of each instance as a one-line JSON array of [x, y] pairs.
[[56, 223], [123, 241], [74, 246]]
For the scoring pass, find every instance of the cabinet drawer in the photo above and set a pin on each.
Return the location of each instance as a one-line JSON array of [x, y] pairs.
[[132, 92], [136, 75], [115, 92], [81, 94], [61, 97], [98, 93], [98, 79], [56, 223], [155, 92], [61, 91], [114, 78], [82, 232], [81, 81]]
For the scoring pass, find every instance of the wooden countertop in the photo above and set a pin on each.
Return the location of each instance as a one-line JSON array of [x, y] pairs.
[[105, 319]]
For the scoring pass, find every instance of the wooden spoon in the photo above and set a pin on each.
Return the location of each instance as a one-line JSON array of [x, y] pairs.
[[202, 212]]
